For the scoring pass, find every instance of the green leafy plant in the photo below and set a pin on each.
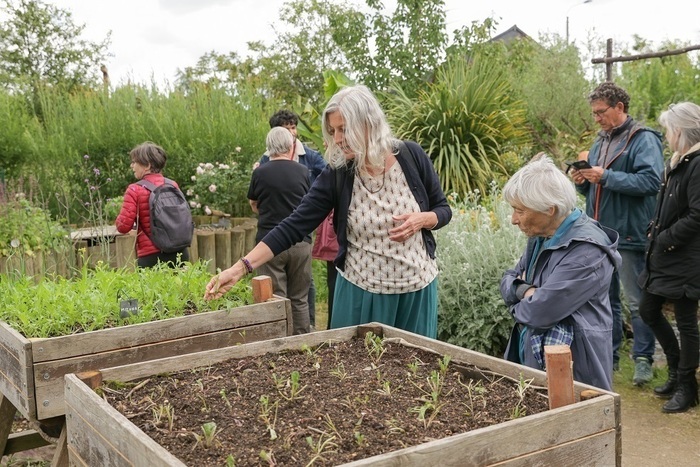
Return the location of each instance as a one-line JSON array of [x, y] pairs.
[[208, 436], [521, 390], [267, 415], [475, 249], [27, 229], [475, 396], [290, 388], [90, 301], [375, 347], [466, 120]]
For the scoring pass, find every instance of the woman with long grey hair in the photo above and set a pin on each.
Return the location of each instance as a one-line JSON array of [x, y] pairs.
[[672, 271], [387, 199]]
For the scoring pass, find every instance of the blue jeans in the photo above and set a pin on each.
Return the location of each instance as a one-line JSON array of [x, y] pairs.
[[632, 266]]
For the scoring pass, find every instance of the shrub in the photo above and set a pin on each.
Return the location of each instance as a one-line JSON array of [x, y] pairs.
[[26, 229], [474, 250], [220, 186]]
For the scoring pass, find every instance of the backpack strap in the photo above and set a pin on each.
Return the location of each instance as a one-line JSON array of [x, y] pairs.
[[147, 185]]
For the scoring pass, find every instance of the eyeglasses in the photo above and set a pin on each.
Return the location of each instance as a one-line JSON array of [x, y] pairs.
[[599, 113]]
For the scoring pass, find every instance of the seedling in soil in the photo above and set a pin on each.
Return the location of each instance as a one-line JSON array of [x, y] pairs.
[[164, 412], [375, 347], [523, 385], [230, 461], [208, 438], [444, 362], [360, 439], [328, 421], [394, 428], [266, 415], [268, 457], [289, 388], [324, 445], [475, 394], [431, 399], [385, 390], [339, 372], [222, 393]]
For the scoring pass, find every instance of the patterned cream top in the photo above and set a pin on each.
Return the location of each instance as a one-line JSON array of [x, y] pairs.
[[373, 262]]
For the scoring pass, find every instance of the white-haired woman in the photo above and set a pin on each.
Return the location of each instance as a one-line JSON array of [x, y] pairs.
[[387, 199], [558, 291], [672, 269]]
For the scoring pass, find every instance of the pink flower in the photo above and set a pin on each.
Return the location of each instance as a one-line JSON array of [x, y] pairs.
[[212, 188], [238, 149], [207, 210]]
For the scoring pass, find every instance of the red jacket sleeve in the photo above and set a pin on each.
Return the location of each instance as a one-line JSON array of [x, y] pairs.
[[127, 215]]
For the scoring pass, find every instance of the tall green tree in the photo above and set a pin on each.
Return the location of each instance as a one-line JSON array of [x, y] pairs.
[[41, 45]]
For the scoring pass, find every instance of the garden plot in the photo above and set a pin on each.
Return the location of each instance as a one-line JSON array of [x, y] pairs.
[[372, 395]]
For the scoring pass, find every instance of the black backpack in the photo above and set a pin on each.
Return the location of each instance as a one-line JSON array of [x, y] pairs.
[[171, 219]]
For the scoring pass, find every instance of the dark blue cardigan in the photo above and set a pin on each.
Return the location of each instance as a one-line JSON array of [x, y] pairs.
[[324, 196]]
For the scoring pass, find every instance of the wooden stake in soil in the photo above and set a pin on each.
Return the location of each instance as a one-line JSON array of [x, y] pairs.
[[560, 375], [262, 289]]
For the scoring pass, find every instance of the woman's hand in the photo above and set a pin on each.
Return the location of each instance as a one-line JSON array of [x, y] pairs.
[[222, 282], [410, 224]]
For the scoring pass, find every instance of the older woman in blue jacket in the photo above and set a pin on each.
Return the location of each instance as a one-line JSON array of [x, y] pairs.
[[558, 291]]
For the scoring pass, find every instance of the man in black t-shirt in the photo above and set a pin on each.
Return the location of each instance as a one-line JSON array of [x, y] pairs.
[[276, 189]]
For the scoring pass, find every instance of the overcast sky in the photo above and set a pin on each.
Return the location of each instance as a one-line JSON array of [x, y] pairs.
[[153, 38]]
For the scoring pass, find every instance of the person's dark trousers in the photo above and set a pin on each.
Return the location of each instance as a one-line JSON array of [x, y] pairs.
[[331, 275], [170, 258], [616, 306], [312, 301], [632, 266], [684, 357]]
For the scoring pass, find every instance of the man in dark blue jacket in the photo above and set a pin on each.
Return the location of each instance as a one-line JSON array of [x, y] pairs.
[[620, 189]]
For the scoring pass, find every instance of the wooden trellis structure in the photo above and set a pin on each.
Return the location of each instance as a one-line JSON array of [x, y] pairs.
[[609, 59]]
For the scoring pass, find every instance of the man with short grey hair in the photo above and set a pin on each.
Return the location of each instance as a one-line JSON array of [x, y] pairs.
[[276, 189]]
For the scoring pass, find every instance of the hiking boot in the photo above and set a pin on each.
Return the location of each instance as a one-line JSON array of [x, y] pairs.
[[666, 390], [685, 396], [642, 371]]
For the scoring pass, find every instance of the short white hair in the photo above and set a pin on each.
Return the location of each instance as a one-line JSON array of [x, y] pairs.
[[683, 118], [279, 141], [540, 185]]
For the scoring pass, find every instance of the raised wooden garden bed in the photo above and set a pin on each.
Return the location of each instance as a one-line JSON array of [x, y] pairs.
[[33, 370], [585, 432]]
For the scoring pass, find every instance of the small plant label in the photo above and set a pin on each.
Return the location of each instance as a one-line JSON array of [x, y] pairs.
[[128, 307]]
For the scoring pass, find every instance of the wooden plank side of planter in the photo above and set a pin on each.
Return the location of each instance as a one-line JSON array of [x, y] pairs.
[[16, 377], [585, 432], [201, 359], [100, 435], [49, 375], [88, 343]]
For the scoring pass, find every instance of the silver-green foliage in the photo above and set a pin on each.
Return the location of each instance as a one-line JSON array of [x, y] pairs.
[[474, 250], [92, 300]]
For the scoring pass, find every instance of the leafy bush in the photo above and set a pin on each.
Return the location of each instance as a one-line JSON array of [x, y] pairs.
[[26, 229], [466, 120], [220, 186], [91, 301], [474, 251]]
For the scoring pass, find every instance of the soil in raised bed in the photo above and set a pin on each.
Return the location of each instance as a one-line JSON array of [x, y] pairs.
[[348, 403]]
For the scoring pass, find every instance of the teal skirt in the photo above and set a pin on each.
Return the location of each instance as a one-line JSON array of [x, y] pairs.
[[413, 311]]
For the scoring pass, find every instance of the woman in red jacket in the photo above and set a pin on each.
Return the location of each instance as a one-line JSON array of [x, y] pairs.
[[147, 162]]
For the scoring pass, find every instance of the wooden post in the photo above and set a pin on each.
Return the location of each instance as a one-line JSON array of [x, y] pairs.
[[206, 247], [223, 248], [7, 415], [250, 231], [262, 288], [560, 375], [608, 64], [237, 243], [236, 221], [60, 456], [125, 246], [194, 253]]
